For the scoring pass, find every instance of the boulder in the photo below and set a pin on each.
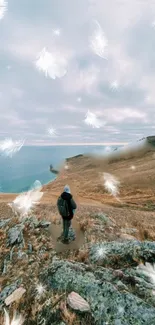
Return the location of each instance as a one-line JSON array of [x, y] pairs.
[[43, 224], [129, 231], [128, 251], [15, 235], [8, 290], [76, 302], [107, 303], [127, 237], [16, 295], [4, 222]]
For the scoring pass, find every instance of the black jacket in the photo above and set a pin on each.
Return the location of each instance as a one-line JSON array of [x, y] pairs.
[[71, 203]]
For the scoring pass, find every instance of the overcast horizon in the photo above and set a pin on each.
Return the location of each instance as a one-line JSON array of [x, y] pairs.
[[77, 72], [77, 144]]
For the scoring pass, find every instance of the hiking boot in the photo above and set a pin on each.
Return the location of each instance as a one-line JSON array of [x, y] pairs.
[[65, 241], [60, 238]]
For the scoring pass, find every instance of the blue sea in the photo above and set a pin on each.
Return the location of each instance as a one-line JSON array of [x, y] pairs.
[[17, 174]]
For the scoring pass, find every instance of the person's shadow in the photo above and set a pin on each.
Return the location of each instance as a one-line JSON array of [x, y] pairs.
[[55, 230]]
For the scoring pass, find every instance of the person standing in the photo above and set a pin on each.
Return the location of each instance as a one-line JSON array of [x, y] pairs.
[[66, 207]]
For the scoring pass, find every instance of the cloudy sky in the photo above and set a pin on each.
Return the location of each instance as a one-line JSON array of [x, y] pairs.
[[77, 71]]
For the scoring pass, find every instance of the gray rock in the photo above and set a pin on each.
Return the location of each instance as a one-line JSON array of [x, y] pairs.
[[104, 218], [8, 290], [129, 231], [32, 222], [11, 253], [30, 248], [15, 235], [5, 264], [121, 286], [127, 237], [76, 302], [22, 255], [44, 224], [15, 296], [105, 300], [4, 222], [42, 250], [127, 251]]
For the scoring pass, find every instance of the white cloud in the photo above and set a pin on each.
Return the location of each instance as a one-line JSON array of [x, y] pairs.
[[17, 92], [122, 114], [86, 83], [70, 108], [111, 129], [79, 80], [67, 127]]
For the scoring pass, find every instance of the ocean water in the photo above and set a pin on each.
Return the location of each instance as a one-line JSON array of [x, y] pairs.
[[18, 173]]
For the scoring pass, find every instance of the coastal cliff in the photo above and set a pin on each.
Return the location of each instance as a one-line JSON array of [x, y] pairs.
[[54, 171], [99, 280], [134, 167]]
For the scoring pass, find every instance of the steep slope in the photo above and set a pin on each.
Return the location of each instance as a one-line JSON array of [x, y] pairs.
[[108, 255], [133, 167]]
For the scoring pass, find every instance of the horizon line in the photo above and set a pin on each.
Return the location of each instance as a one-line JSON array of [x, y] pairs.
[[79, 144]]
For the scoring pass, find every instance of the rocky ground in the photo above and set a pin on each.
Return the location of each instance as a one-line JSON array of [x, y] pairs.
[[106, 276], [103, 271]]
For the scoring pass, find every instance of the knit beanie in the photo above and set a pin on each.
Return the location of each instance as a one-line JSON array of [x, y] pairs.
[[67, 189]]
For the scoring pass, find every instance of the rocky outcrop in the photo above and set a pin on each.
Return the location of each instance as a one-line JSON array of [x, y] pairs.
[[8, 290], [15, 235], [111, 300], [74, 157], [76, 302], [132, 150], [54, 171], [130, 252], [151, 140], [115, 285]]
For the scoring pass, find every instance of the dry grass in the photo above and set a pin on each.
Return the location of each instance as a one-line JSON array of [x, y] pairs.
[[54, 219], [67, 315], [146, 234], [137, 193], [85, 224], [82, 256], [71, 318]]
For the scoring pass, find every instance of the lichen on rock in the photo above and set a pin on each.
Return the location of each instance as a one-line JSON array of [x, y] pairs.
[[107, 302]]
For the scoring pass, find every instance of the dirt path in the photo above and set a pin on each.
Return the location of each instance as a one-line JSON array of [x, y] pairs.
[[124, 217]]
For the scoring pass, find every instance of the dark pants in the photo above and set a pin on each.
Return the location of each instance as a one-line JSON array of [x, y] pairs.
[[66, 225]]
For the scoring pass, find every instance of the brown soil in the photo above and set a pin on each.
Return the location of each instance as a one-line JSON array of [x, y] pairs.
[[137, 192], [136, 209]]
